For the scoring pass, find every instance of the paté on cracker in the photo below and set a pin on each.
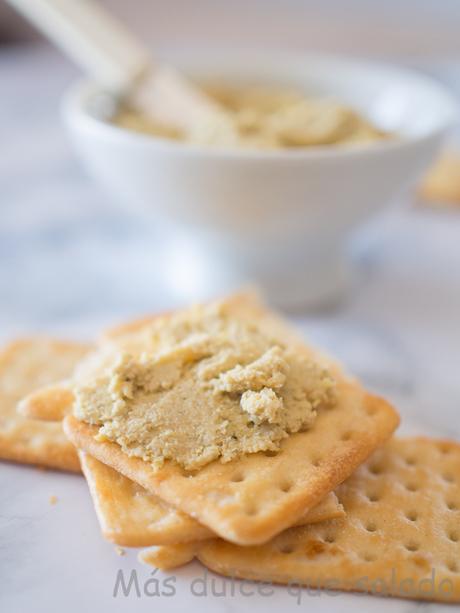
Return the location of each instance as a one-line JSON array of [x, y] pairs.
[[201, 385], [330, 423]]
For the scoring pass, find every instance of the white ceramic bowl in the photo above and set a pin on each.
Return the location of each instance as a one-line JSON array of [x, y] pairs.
[[281, 219]]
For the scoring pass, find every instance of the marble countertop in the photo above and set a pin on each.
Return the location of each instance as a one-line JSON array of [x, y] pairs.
[[70, 263]]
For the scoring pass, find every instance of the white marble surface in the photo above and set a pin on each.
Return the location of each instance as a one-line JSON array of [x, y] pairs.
[[71, 263]]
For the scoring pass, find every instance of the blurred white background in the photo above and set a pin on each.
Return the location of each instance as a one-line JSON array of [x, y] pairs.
[[374, 26], [390, 27]]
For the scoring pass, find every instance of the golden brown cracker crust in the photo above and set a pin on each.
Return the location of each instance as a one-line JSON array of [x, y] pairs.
[[328, 508], [166, 558], [251, 499], [248, 298], [130, 516], [50, 449], [26, 364], [402, 528], [51, 403]]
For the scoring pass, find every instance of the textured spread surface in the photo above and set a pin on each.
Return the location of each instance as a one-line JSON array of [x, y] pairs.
[[251, 499], [267, 118], [208, 382]]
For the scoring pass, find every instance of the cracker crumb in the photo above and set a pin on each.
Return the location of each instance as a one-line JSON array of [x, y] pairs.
[[53, 500], [120, 551]]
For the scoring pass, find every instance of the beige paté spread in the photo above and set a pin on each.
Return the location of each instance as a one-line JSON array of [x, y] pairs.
[[267, 118], [200, 385]]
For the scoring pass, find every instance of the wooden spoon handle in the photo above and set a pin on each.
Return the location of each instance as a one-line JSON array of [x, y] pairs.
[[112, 56], [98, 42]]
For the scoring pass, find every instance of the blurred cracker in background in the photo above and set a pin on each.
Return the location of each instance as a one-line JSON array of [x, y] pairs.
[[441, 186]]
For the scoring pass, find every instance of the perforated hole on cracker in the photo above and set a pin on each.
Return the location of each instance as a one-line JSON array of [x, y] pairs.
[[393, 541], [130, 516], [255, 495]]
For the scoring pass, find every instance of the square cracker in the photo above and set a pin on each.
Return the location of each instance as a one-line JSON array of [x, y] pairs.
[[130, 516], [50, 403], [401, 531], [25, 365], [254, 497], [53, 401]]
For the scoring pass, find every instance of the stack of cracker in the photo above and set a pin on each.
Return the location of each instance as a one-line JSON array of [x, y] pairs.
[[342, 505]]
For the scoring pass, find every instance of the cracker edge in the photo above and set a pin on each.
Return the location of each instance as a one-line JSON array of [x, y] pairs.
[[58, 458], [336, 469], [170, 557], [50, 403], [191, 532]]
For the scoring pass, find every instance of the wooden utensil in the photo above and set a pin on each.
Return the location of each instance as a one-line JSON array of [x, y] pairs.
[[112, 55]]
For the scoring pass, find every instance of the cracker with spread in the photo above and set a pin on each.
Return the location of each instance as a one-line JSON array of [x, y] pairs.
[[224, 413], [131, 516]]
